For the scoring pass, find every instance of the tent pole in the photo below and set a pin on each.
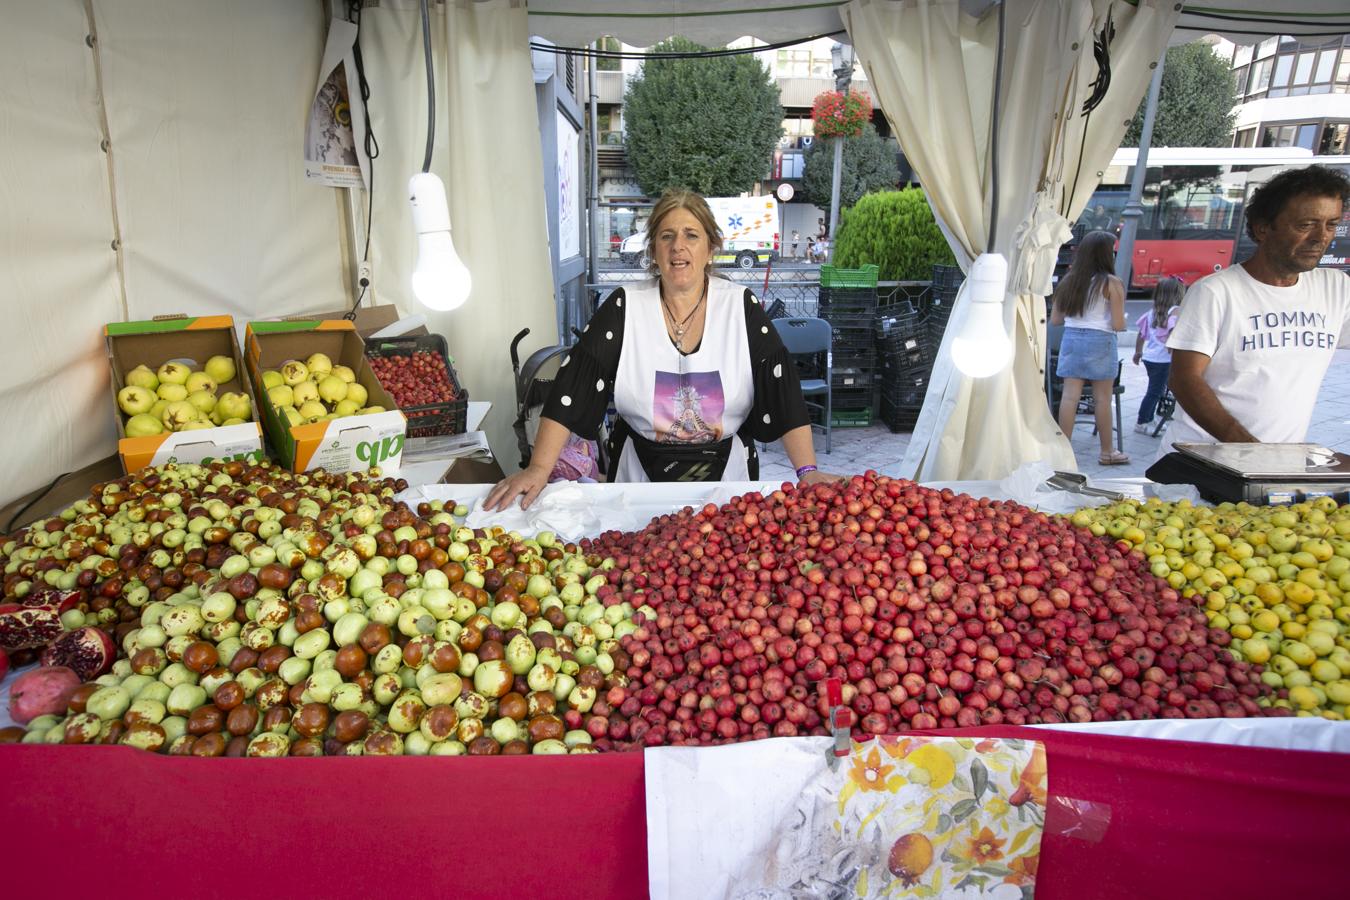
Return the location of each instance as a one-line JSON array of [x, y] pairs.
[[1134, 207], [593, 133]]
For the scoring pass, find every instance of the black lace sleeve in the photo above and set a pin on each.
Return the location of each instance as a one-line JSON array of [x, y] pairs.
[[779, 406], [585, 382]]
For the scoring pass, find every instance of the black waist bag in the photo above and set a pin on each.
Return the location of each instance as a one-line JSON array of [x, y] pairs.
[[677, 462]]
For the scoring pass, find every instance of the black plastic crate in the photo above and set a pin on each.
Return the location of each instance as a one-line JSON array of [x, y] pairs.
[[846, 301], [852, 338], [852, 398], [947, 279], [899, 419], [906, 393], [431, 419], [851, 379], [915, 359]]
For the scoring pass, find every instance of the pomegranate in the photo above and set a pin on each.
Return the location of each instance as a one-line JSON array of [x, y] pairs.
[[34, 619], [40, 692], [87, 651]]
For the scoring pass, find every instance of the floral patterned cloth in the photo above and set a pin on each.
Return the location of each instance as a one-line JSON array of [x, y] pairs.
[[914, 817]]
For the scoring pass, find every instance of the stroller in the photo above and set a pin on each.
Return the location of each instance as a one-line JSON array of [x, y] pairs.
[[534, 379]]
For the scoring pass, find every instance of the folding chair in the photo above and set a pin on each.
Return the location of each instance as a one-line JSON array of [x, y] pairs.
[[1086, 403], [803, 336]]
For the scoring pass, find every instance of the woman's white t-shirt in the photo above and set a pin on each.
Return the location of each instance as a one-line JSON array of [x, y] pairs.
[[1268, 348], [1096, 313]]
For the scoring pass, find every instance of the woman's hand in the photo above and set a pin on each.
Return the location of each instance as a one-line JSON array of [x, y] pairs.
[[1137, 357], [819, 477], [525, 484]]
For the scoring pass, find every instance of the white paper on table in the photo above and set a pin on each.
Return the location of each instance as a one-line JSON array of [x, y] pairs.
[[1309, 733]]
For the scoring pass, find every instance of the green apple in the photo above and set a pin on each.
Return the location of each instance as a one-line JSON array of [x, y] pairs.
[[271, 378], [293, 372], [144, 425], [220, 368], [372, 410], [346, 408], [281, 395], [173, 373], [158, 409], [344, 373], [292, 415], [333, 389], [234, 405], [171, 391], [178, 414], [305, 392], [144, 377], [357, 393], [196, 426], [234, 421], [319, 364], [135, 400], [204, 401]]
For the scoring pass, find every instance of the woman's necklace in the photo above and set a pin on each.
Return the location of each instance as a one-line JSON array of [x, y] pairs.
[[681, 327]]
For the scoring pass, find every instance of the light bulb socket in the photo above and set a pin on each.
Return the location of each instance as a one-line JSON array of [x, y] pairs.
[[430, 212]]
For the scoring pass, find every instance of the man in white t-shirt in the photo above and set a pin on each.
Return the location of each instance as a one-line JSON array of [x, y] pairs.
[[1253, 341]]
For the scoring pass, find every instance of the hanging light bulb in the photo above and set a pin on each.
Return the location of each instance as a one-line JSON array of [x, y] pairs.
[[439, 280], [982, 348]]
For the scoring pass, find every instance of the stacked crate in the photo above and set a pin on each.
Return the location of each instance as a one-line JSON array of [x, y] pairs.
[[905, 359], [848, 301], [946, 284]]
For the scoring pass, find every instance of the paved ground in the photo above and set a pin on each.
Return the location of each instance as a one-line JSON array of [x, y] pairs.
[[874, 447]]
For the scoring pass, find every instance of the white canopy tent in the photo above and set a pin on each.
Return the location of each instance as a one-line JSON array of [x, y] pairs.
[[150, 164]]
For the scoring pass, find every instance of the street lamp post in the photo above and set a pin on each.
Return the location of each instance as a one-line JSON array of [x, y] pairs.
[[842, 57]]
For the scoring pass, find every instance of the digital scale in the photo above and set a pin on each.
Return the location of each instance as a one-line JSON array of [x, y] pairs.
[[1263, 474]]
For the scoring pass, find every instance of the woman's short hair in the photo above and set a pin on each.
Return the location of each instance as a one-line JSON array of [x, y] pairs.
[[693, 202]]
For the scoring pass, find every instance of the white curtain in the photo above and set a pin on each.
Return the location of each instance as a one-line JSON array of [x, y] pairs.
[[202, 187], [933, 68], [488, 153]]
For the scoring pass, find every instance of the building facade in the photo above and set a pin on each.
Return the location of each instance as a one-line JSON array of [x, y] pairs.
[[1293, 93]]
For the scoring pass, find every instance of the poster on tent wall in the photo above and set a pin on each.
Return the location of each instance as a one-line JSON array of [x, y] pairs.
[[336, 116], [569, 189]]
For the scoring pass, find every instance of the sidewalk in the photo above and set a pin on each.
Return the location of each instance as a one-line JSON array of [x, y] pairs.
[[874, 447]]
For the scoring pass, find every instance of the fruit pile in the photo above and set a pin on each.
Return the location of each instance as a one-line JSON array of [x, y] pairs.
[[315, 390], [175, 398], [934, 610], [1276, 578], [416, 379], [263, 613]]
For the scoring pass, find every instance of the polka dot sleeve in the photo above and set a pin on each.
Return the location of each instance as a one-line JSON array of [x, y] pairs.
[[585, 381], [778, 406]]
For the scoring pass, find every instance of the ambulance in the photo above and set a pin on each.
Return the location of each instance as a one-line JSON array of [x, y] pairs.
[[750, 233]]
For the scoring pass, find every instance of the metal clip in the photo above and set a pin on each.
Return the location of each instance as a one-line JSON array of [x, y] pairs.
[[839, 723]]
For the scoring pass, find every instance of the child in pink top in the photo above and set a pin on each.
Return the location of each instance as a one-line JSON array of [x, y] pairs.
[[1151, 346]]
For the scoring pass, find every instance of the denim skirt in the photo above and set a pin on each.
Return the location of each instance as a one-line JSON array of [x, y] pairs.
[[1089, 354]]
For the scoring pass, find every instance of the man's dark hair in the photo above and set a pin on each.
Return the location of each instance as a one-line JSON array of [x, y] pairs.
[[1269, 200]]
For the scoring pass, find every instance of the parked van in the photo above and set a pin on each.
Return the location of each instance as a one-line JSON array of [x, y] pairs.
[[750, 233]]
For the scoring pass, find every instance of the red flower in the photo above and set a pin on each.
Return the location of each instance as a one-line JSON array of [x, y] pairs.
[[837, 114]]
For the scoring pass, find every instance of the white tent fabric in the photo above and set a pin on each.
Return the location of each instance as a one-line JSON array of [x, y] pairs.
[[641, 23], [203, 189], [488, 153], [933, 67]]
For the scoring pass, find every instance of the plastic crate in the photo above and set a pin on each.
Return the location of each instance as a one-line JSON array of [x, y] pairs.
[[947, 279], [852, 398], [898, 419], [851, 378], [836, 301], [851, 418], [848, 337], [432, 419], [839, 319], [907, 393], [905, 359], [835, 277]]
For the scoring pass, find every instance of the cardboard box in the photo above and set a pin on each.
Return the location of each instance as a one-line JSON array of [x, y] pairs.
[[192, 341], [347, 444]]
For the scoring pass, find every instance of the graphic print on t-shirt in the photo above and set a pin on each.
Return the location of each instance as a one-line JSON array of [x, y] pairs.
[[1287, 328], [687, 408]]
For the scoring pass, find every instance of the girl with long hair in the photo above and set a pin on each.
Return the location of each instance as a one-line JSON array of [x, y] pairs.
[[1090, 303], [1154, 327]]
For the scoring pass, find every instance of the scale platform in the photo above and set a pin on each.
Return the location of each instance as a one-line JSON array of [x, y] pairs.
[[1265, 474]]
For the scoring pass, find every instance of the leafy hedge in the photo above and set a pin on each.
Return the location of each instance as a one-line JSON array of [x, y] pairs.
[[896, 231]]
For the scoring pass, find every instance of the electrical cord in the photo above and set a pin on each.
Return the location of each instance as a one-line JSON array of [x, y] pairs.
[[997, 117], [370, 144], [9, 526], [1101, 52], [431, 85]]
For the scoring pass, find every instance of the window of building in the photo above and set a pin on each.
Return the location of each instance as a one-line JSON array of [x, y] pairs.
[[1283, 66], [1260, 77], [609, 64], [1245, 138], [1334, 139], [1326, 64], [1277, 136], [1303, 67], [1306, 137], [1343, 73], [794, 64], [1240, 82], [1266, 48], [1242, 54]]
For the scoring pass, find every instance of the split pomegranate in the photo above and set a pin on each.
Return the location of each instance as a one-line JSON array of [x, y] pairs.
[[87, 651]]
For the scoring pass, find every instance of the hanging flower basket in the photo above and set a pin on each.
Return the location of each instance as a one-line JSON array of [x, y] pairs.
[[841, 115]]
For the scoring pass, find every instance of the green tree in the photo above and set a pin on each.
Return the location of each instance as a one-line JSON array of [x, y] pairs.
[[869, 164], [1195, 101], [708, 124], [896, 231]]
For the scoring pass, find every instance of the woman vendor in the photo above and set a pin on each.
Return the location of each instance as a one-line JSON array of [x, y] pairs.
[[696, 369]]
